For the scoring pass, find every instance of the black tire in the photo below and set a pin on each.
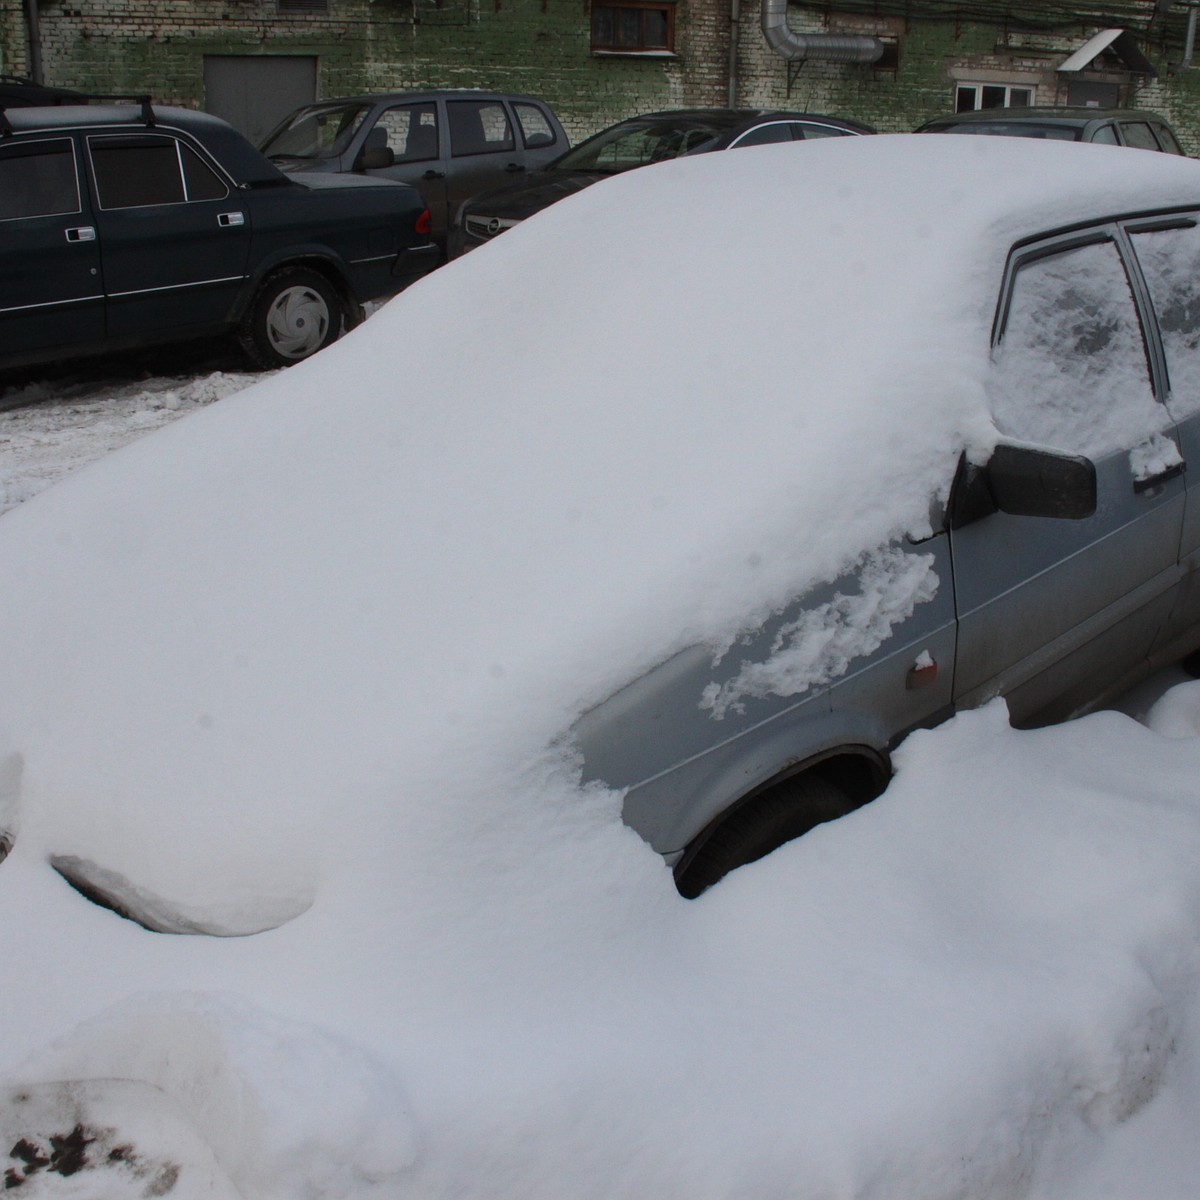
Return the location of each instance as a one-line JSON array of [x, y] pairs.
[[760, 826], [1191, 664], [294, 313]]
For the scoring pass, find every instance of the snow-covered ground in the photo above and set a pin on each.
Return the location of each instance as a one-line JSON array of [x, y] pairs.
[[462, 976]]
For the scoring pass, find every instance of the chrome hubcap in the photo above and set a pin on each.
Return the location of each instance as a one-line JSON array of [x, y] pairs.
[[297, 322]]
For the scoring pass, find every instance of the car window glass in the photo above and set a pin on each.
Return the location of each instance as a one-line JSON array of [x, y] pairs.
[[776, 131], [1070, 371], [808, 132], [316, 133], [134, 172], [201, 182], [1170, 260], [478, 127], [1139, 135], [535, 128], [1166, 139], [38, 180], [1106, 135], [410, 131]]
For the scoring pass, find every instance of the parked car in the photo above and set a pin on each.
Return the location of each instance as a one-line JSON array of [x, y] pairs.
[[128, 225], [721, 505], [1109, 126], [447, 144], [635, 142]]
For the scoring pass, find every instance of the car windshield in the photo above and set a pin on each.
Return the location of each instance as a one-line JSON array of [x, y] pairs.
[[322, 131], [636, 143], [1029, 129]]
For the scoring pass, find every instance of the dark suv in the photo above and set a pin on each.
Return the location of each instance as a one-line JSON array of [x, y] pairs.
[[127, 225], [448, 144], [1108, 126]]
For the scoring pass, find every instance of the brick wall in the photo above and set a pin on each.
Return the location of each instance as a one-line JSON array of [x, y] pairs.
[[543, 47]]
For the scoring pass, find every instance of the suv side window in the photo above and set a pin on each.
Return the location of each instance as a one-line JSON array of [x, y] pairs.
[[1106, 135], [478, 127], [140, 170], [38, 179], [410, 131], [535, 129], [1071, 370]]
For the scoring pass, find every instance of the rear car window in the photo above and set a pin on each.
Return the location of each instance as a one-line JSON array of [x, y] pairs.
[[1170, 260], [38, 179], [478, 127], [535, 128], [1139, 135]]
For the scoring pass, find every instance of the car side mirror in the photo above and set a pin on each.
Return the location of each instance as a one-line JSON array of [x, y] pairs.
[[376, 159], [1024, 482]]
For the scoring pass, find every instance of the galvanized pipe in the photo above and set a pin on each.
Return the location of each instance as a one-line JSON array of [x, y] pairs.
[[821, 47], [1190, 40]]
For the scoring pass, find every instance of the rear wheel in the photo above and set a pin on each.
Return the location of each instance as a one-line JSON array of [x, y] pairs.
[[760, 826], [295, 313]]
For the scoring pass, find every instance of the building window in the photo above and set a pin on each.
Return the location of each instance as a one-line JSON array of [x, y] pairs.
[[301, 6], [970, 97], [633, 28]]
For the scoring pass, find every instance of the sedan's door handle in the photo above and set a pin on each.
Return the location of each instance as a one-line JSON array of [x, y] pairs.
[[230, 219], [1172, 472], [513, 168], [432, 174], [81, 233]]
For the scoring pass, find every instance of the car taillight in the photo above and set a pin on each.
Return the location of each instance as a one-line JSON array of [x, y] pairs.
[[424, 223]]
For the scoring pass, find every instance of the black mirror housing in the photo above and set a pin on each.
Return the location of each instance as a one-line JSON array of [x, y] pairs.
[[1024, 482]]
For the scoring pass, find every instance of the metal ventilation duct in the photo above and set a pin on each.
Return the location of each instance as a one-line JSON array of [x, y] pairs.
[[819, 47]]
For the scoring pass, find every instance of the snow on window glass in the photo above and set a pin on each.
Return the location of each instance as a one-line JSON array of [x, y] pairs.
[[1170, 261], [1070, 371]]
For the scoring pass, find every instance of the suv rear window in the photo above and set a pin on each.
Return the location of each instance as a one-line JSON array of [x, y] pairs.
[[38, 180], [142, 170]]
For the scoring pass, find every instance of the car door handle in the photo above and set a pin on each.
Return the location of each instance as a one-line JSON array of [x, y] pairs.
[[513, 168], [1172, 472], [81, 233], [432, 174], [231, 219]]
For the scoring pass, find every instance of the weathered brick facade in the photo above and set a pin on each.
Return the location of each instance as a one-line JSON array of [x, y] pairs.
[[543, 47]]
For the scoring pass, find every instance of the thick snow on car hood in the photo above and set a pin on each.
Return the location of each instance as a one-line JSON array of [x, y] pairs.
[[306, 660]]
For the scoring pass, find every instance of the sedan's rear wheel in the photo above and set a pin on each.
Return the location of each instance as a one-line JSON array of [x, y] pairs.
[[296, 312], [760, 826]]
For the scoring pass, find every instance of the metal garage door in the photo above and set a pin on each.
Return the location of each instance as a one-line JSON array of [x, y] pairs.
[[254, 92]]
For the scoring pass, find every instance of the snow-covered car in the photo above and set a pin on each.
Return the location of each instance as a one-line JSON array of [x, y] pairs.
[[130, 225], [336, 670]]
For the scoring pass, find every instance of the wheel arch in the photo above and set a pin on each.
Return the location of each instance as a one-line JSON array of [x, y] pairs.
[[324, 262], [860, 771]]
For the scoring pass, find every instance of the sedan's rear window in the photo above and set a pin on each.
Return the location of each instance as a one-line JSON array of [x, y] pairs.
[[38, 180], [140, 171]]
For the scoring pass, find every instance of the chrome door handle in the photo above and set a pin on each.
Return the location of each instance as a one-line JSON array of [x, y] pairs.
[[230, 219], [81, 233]]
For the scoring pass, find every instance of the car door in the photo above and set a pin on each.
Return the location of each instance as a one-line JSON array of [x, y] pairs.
[[51, 291], [411, 137], [1168, 256], [483, 148], [174, 235], [1051, 610]]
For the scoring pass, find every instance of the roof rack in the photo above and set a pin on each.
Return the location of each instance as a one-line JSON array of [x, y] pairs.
[[63, 96]]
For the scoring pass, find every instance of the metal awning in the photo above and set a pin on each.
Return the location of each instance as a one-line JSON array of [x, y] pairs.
[[1121, 42]]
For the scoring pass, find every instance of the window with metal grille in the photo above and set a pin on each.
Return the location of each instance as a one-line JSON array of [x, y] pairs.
[[633, 28], [301, 6]]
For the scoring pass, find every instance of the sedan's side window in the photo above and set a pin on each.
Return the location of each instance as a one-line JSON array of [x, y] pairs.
[[1106, 135], [1139, 135], [38, 180], [478, 127], [410, 131], [807, 131], [776, 131], [1170, 260], [1071, 371], [138, 171]]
